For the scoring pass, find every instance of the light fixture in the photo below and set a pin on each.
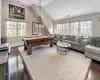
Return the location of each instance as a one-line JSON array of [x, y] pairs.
[[36, 25], [68, 18], [68, 22], [18, 1], [40, 24], [68, 15], [39, 18], [40, 12]]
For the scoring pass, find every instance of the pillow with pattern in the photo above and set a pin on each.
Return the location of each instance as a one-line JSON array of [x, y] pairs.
[[92, 41], [98, 42]]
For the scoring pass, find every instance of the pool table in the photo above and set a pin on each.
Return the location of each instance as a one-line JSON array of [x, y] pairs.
[[30, 42]]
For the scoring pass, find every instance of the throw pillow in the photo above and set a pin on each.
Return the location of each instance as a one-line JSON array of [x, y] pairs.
[[58, 36], [77, 39], [92, 41], [53, 35], [98, 42], [64, 38], [71, 38], [80, 39], [84, 42]]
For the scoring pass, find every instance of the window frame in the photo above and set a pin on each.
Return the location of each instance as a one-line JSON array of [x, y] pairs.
[[16, 28], [74, 29], [91, 25], [63, 27], [78, 26]]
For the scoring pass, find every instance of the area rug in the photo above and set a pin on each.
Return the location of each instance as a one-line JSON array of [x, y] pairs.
[[46, 63]]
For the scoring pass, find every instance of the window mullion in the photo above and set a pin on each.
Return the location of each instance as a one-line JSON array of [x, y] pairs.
[[79, 28], [17, 28], [82, 28], [62, 29], [69, 27]]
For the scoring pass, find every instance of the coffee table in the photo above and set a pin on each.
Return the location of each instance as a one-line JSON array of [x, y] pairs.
[[63, 46]]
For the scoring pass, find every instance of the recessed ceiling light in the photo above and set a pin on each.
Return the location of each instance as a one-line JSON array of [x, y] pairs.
[[18, 1], [68, 15]]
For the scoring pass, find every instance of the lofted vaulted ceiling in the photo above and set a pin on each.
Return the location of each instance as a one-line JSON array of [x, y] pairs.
[[59, 9], [30, 2]]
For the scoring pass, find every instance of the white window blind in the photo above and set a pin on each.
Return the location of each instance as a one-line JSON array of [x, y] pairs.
[[85, 28], [66, 29], [59, 29], [80, 28], [74, 28], [15, 28]]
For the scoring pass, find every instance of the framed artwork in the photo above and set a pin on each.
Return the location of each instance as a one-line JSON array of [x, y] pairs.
[[16, 12], [35, 28]]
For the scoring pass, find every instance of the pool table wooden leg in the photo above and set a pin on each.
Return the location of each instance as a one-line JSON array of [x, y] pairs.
[[51, 44], [25, 47], [29, 50]]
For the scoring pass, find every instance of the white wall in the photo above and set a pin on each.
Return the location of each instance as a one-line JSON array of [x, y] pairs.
[[0, 17], [47, 20], [42, 30], [29, 16], [95, 18]]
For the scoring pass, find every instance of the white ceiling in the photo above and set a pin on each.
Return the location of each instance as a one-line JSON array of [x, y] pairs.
[[59, 9], [30, 2]]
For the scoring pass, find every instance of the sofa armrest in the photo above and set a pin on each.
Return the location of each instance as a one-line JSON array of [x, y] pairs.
[[92, 49]]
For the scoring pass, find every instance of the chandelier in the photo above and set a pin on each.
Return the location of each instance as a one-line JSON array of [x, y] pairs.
[[40, 7], [40, 12], [37, 27]]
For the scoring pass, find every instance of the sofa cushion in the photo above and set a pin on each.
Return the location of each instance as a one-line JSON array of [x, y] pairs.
[[92, 41], [70, 37], [79, 39], [84, 42], [61, 36], [76, 44], [64, 38], [98, 42], [53, 35], [73, 43], [58, 36], [92, 49]]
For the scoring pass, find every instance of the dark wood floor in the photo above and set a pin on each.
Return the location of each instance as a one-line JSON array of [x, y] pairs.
[[18, 72], [94, 73]]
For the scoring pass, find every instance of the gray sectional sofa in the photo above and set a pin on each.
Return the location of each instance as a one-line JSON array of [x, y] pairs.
[[57, 37], [92, 50], [91, 45], [77, 42]]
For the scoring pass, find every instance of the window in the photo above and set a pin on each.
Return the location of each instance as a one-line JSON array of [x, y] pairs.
[[59, 29], [15, 28], [62, 29], [66, 29], [74, 28], [80, 28], [85, 28]]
